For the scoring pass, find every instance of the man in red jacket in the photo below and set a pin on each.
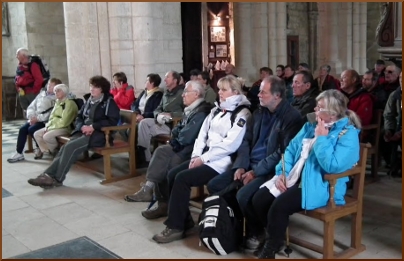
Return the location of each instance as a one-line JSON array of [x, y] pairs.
[[28, 79], [360, 100], [124, 94]]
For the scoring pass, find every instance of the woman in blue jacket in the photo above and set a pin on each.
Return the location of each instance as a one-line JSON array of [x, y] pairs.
[[328, 144]]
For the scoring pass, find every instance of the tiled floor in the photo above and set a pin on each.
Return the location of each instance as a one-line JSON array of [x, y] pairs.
[[34, 219]]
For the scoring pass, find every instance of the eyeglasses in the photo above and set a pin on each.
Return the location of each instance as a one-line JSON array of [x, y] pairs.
[[389, 72]]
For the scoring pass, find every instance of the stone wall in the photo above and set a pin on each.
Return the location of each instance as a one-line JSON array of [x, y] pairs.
[[46, 35], [136, 38], [17, 38]]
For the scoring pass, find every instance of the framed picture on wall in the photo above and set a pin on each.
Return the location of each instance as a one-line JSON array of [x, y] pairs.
[[217, 34], [221, 50]]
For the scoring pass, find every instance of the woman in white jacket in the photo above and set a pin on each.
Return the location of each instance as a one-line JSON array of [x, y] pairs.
[[38, 113], [220, 136]]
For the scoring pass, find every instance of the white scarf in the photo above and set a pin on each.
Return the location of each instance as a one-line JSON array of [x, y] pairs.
[[295, 172]]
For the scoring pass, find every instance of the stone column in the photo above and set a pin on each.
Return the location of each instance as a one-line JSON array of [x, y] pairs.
[[281, 32], [363, 39], [398, 8], [82, 44], [260, 35], [356, 36], [272, 35], [243, 39], [313, 52], [349, 36], [205, 35]]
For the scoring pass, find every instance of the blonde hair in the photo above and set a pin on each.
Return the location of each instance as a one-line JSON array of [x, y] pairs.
[[337, 103], [231, 82]]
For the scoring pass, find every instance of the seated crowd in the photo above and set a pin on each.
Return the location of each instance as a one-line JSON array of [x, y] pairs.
[[225, 136]]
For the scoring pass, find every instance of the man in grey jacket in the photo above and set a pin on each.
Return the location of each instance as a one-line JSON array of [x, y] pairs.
[[181, 144], [171, 105]]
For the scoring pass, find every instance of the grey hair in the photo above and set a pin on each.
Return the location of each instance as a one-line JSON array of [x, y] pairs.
[[63, 87], [336, 102], [198, 87], [22, 51], [277, 85], [327, 67]]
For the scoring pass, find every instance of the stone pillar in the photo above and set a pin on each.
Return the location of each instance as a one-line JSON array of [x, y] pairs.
[[260, 35], [281, 32], [313, 52], [356, 36], [243, 39], [272, 35], [118, 34], [349, 26], [363, 39], [82, 44], [398, 8], [136, 38]]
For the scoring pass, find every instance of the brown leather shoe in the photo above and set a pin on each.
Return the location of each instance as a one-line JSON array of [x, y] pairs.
[[169, 235], [160, 211], [44, 181]]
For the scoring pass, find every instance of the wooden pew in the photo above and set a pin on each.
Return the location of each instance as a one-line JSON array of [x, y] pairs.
[[373, 132], [119, 146], [330, 213]]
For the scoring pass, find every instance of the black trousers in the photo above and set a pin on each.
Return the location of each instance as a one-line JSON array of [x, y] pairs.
[[180, 180], [274, 213]]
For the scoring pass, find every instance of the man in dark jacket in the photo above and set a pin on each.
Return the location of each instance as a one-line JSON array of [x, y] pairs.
[[393, 125], [369, 82], [181, 144], [304, 93], [259, 152], [98, 112]]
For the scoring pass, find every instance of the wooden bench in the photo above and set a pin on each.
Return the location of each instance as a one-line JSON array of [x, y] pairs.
[[119, 146], [330, 213], [373, 132]]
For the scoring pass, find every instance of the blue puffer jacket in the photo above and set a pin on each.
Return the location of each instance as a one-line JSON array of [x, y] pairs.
[[330, 154]]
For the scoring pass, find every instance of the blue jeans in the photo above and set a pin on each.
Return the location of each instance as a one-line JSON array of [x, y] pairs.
[[26, 130]]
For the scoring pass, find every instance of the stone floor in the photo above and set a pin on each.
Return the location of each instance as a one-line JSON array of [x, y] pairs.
[[34, 219]]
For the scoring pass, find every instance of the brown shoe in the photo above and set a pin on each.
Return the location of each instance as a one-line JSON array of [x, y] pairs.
[[169, 235], [160, 211], [44, 181]]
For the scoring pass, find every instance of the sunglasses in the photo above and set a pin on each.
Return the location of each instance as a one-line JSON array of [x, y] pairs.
[[389, 72]]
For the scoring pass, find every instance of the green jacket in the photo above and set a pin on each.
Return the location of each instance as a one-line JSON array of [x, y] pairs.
[[210, 95], [62, 115], [171, 103]]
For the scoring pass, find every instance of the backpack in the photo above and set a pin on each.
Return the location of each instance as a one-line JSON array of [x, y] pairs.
[[79, 102], [233, 113], [42, 65], [220, 222]]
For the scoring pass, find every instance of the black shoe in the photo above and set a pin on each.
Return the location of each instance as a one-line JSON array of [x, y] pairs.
[[269, 250]]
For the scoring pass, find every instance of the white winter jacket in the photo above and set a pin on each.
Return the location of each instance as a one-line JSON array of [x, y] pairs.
[[219, 137], [43, 102]]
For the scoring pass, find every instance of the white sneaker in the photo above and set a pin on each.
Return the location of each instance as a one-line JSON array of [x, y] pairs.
[[16, 157]]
